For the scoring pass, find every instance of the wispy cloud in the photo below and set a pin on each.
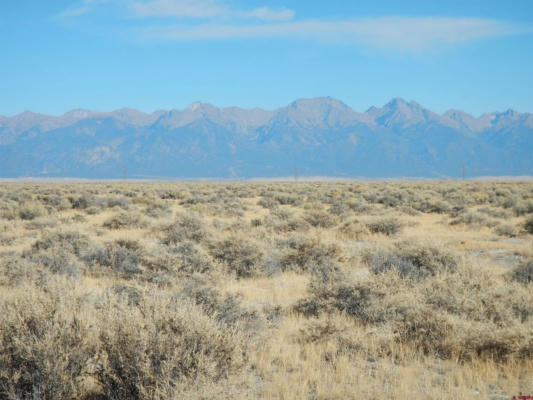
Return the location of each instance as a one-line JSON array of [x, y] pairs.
[[82, 8], [401, 33], [195, 20], [205, 9], [74, 12]]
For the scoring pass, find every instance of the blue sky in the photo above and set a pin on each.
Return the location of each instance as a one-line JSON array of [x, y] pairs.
[[59, 55]]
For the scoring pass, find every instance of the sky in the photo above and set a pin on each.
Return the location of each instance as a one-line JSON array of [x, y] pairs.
[[59, 55]]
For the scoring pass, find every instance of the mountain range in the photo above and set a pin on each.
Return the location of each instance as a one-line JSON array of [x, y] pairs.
[[320, 137]]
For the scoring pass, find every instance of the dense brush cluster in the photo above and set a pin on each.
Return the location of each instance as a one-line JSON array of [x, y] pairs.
[[266, 290]]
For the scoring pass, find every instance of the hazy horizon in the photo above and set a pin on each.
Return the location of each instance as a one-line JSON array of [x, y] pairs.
[[150, 112]]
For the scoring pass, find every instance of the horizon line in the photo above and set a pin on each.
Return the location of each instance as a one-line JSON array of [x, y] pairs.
[[301, 179]]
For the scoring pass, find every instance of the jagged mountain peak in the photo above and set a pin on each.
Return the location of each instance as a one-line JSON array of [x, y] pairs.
[[509, 118], [78, 113], [460, 116], [322, 112], [28, 120], [456, 114], [134, 116], [194, 112], [397, 102], [321, 136], [194, 106], [399, 114], [128, 111], [465, 122], [29, 115], [198, 106], [400, 104], [508, 114], [318, 101]]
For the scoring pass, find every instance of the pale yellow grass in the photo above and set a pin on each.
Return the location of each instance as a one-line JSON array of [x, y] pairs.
[[293, 369], [286, 362], [282, 290]]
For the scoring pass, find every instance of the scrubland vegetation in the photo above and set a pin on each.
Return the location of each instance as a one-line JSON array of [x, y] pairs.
[[354, 290]]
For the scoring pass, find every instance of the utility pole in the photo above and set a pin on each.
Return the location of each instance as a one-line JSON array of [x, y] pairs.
[[295, 174], [124, 170]]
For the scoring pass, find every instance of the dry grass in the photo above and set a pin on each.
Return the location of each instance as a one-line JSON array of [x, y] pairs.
[[266, 290]]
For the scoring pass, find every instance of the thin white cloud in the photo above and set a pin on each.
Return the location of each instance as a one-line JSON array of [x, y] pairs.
[[190, 20], [74, 12], [179, 8], [401, 33], [267, 14], [205, 9], [83, 8]]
